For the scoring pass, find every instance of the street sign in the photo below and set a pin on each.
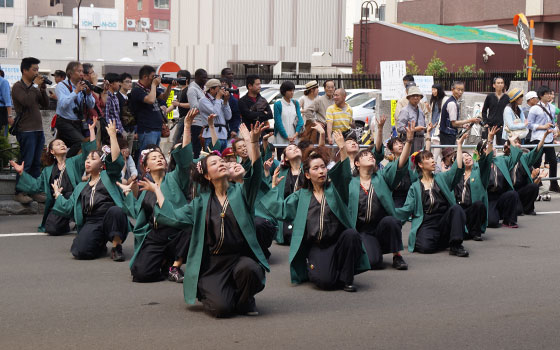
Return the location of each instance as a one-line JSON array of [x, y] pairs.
[[523, 31]]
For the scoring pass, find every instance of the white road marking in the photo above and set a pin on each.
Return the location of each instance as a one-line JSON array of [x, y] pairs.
[[548, 212], [23, 234]]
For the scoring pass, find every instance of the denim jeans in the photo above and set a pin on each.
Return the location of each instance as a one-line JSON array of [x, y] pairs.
[[31, 145], [220, 145], [145, 139]]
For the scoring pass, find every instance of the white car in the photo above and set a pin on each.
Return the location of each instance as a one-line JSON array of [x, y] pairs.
[[363, 108]]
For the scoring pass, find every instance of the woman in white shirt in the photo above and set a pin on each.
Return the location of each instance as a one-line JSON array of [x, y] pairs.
[[287, 115], [514, 119], [309, 95]]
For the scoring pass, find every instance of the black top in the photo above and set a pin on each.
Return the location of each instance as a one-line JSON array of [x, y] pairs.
[[519, 176], [293, 183], [253, 110], [149, 117], [223, 234], [433, 201], [401, 190], [463, 193], [370, 210], [493, 109], [183, 99], [497, 183], [65, 183], [322, 227], [100, 198]]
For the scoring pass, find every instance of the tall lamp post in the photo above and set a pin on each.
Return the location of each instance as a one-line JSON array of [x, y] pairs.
[[78, 27]]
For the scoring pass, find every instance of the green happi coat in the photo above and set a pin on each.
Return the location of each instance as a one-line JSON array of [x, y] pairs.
[[281, 186], [478, 180], [507, 163], [72, 207], [413, 205], [241, 198], [75, 167], [295, 207], [175, 186], [528, 159]]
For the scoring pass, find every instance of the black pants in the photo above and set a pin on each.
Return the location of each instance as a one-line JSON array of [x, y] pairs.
[[527, 196], [476, 217], [56, 225], [333, 266], [195, 141], [70, 131], [550, 159], [385, 238], [228, 284], [438, 231], [265, 231], [502, 207], [90, 243], [445, 139], [160, 249], [399, 201]]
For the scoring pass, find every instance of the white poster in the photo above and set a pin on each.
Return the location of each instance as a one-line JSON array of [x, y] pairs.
[[424, 82], [392, 72], [12, 72]]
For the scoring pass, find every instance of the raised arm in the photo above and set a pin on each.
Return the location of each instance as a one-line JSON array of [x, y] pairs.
[[212, 129], [188, 123], [459, 159], [112, 131], [379, 136], [403, 159], [339, 139], [91, 128]]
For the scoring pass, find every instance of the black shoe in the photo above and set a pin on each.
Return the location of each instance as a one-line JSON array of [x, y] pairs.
[[116, 253], [350, 288], [532, 213], [175, 274], [459, 251], [399, 263], [477, 237], [554, 188], [249, 308]]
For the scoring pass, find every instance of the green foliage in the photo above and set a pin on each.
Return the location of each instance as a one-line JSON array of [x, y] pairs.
[[7, 153], [470, 70], [522, 74], [359, 69], [436, 67], [558, 62], [350, 42], [411, 66]]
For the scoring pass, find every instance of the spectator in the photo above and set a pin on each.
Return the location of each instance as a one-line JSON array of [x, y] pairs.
[[305, 102], [541, 118], [532, 99], [339, 115], [450, 116], [195, 93], [28, 100], [129, 172], [73, 97], [227, 74], [143, 102], [182, 103], [127, 119], [5, 104], [235, 121], [100, 97], [404, 101], [437, 99], [216, 102], [514, 118], [253, 107], [288, 121], [112, 106], [321, 103], [59, 76], [493, 108], [413, 113]]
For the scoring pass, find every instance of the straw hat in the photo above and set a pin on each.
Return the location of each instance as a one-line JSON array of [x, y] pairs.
[[312, 84], [414, 90], [514, 94]]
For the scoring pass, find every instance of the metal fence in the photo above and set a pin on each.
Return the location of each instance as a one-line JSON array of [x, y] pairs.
[[474, 82]]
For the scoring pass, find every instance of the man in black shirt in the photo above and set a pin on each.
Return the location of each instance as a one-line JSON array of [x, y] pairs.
[[253, 107], [493, 108], [182, 103]]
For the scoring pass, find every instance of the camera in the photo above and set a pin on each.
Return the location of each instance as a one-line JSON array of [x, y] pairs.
[[46, 80], [232, 91], [93, 88], [169, 80]]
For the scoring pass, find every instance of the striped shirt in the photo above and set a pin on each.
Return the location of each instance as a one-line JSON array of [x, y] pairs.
[[340, 117], [113, 111]]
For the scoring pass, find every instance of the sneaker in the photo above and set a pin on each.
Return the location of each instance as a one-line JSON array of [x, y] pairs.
[[458, 250], [350, 288], [39, 197], [508, 225], [117, 254], [175, 274], [399, 263], [477, 237], [23, 198]]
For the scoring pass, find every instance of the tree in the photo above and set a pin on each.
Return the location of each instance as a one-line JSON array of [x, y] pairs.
[[359, 67], [411, 66], [470, 70], [558, 62], [436, 67]]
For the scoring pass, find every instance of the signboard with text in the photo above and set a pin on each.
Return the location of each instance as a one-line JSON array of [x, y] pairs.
[[12, 72], [392, 72], [96, 18], [425, 83]]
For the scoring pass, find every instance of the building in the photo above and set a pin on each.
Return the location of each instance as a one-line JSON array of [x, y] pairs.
[[457, 46], [62, 7], [263, 36], [150, 15], [12, 13]]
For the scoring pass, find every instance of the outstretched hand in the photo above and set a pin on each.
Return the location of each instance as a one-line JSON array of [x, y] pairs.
[[244, 132], [492, 132], [464, 136], [193, 112], [211, 118], [147, 185], [256, 131], [56, 187], [18, 168], [381, 121], [111, 128], [339, 139], [125, 188], [410, 129], [275, 179]]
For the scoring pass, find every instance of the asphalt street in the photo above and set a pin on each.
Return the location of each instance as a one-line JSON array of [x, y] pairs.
[[504, 296]]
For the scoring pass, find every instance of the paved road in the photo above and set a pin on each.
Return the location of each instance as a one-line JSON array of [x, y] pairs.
[[505, 296]]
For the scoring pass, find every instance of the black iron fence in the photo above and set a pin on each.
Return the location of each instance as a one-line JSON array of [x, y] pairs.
[[474, 82]]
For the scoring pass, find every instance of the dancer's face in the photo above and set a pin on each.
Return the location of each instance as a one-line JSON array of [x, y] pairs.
[[292, 152], [155, 161], [428, 164], [241, 149], [365, 160], [467, 160], [58, 147], [352, 146], [216, 168], [235, 171], [94, 164], [317, 172]]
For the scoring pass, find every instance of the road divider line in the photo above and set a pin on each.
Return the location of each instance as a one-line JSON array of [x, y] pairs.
[[548, 212], [23, 234]]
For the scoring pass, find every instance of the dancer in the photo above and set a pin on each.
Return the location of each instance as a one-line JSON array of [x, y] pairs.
[[96, 205], [57, 166]]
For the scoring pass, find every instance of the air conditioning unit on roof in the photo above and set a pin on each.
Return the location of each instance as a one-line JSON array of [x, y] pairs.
[[131, 23], [145, 23]]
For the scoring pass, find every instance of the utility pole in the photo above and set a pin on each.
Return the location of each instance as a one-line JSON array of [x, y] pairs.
[[78, 27]]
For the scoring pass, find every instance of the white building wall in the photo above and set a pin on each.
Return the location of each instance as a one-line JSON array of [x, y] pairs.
[[16, 15], [209, 33]]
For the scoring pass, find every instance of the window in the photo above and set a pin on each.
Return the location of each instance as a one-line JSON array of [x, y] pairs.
[[161, 24], [161, 4], [3, 52], [58, 41], [6, 3], [138, 6], [134, 44], [145, 52], [5, 26]]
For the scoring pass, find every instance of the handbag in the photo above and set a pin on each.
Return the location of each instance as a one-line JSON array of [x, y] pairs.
[[520, 133]]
